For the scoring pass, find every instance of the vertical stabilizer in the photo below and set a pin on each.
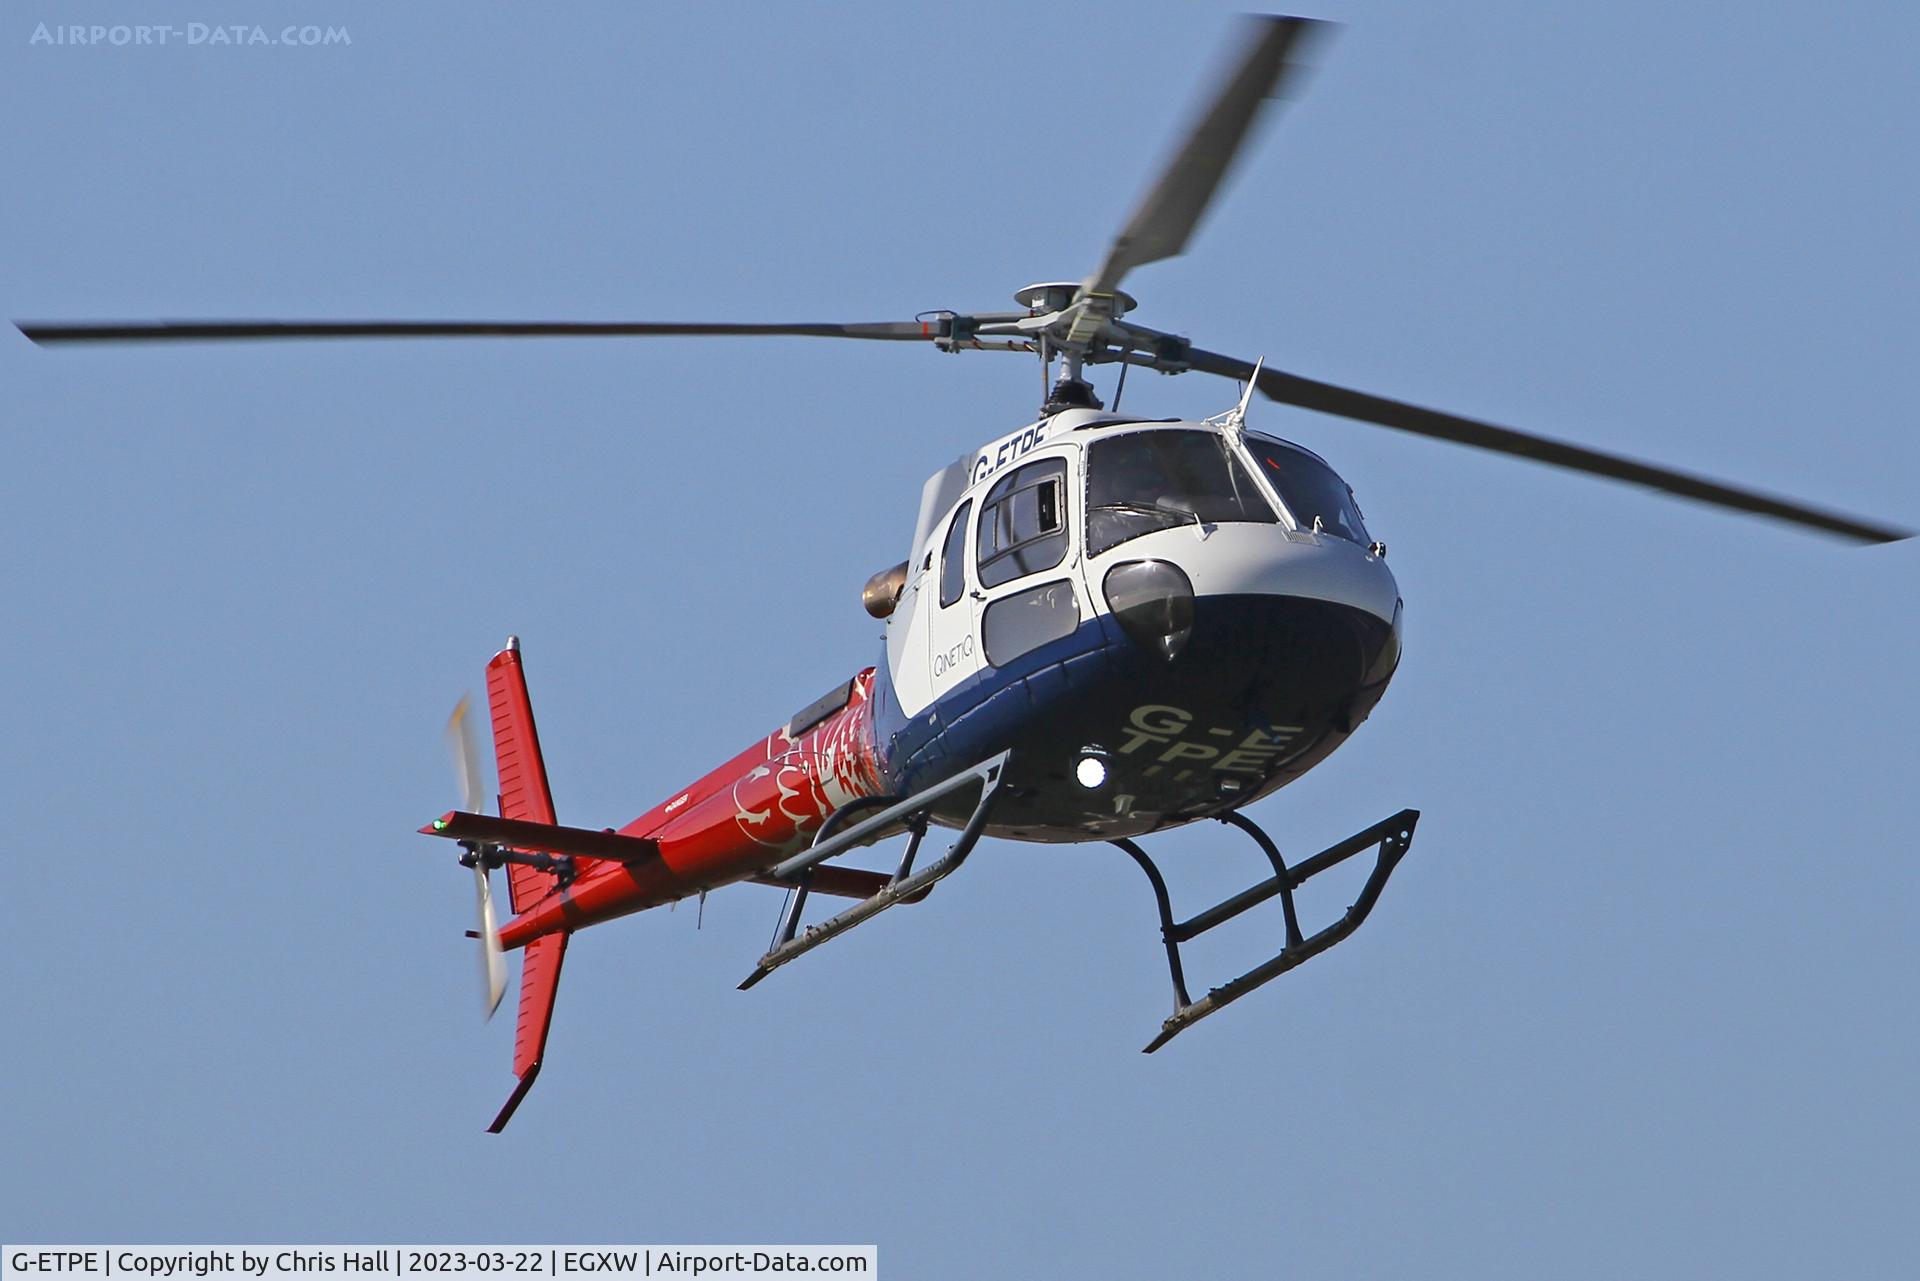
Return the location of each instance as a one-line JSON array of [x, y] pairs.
[[524, 795], [539, 980], [517, 760]]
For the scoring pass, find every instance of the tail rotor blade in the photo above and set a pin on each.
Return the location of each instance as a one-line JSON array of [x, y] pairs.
[[493, 966], [466, 765], [466, 756]]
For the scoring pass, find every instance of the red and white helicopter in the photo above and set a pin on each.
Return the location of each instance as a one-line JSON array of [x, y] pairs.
[[1105, 627]]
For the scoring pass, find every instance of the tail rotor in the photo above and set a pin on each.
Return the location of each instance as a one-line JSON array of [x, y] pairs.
[[466, 762]]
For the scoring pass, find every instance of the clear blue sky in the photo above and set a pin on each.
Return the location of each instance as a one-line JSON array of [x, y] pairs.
[[1641, 1000]]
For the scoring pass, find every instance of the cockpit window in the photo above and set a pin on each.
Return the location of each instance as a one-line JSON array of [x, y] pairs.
[[1023, 523], [1310, 490], [1163, 479]]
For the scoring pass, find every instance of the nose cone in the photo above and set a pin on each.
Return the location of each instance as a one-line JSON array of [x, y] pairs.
[[1257, 560], [1303, 661], [1337, 572], [1300, 629]]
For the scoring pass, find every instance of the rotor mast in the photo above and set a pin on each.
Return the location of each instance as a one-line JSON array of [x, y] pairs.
[[1081, 321]]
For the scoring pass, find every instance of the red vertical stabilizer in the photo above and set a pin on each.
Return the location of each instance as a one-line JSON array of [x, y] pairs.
[[539, 980], [524, 795], [516, 757]]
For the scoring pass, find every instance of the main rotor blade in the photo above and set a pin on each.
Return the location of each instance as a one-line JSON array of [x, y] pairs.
[[1291, 389], [50, 332], [1174, 205]]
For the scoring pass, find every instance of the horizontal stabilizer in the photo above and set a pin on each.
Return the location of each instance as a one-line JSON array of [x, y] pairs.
[[550, 838], [842, 882]]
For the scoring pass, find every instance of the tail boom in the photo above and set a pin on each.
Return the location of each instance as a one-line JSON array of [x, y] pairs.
[[737, 823], [734, 824]]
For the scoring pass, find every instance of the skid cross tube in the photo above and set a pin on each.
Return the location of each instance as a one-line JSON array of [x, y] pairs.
[[1393, 837], [912, 814], [801, 882]]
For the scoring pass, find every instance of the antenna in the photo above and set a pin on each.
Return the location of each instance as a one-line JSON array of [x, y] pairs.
[[1236, 419]]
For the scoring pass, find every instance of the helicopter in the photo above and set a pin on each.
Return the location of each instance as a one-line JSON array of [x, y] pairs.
[[1105, 627]]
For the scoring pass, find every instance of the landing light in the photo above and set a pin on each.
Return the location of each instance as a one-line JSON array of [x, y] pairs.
[[1091, 771]]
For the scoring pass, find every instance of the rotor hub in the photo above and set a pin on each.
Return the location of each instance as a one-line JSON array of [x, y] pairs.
[[1058, 295]]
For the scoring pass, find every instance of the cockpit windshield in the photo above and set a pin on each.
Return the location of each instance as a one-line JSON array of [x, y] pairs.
[[1317, 498], [1151, 480]]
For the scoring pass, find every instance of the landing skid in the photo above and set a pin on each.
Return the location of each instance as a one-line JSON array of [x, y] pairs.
[[885, 816], [1393, 837], [912, 815]]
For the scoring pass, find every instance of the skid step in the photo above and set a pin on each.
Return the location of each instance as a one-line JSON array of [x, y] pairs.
[[1390, 837], [912, 815]]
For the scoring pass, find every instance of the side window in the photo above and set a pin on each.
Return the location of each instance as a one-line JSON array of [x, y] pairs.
[[953, 571], [1023, 523], [1026, 620]]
